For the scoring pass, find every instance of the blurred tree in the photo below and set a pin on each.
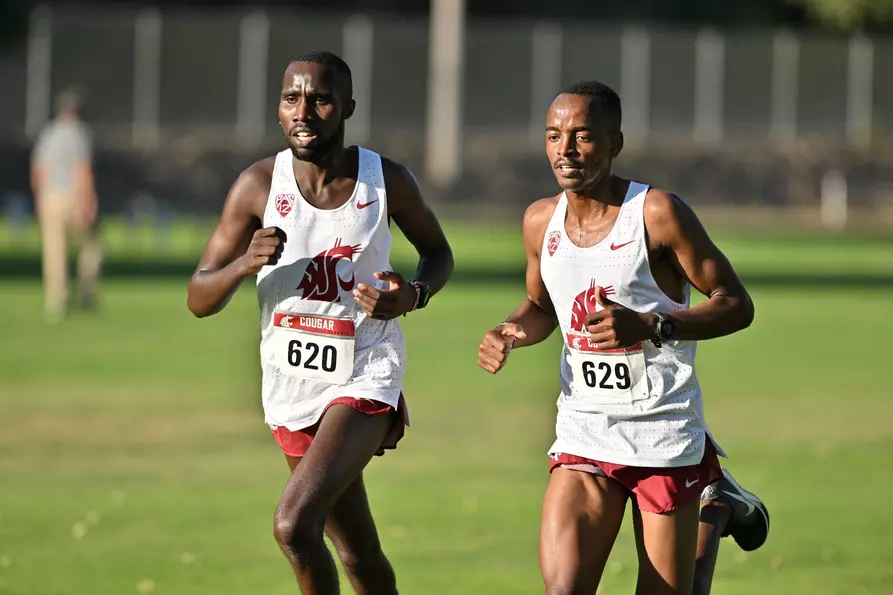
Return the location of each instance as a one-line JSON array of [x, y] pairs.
[[849, 14]]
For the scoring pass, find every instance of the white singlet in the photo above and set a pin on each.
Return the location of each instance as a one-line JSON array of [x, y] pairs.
[[638, 407], [317, 343]]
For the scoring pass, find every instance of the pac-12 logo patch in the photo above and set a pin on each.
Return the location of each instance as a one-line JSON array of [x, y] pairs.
[[554, 240], [285, 203]]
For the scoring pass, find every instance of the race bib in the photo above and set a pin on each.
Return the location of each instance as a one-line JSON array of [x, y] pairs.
[[607, 376], [318, 347]]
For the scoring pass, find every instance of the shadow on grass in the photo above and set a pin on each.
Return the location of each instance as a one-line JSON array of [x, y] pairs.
[[12, 268]]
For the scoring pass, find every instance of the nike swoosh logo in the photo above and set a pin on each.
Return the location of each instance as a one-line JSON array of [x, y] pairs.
[[363, 205], [750, 506], [619, 246], [688, 483]]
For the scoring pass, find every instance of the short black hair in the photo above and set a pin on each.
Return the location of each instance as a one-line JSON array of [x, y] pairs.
[[329, 60], [603, 97]]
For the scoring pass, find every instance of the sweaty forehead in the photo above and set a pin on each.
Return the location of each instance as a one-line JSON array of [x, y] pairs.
[[309, 77], [573, 109]]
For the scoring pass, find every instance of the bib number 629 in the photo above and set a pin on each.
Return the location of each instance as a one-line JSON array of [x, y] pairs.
[[606, 376]]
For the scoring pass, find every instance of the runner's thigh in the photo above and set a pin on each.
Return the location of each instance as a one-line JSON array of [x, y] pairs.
[[582, 514]]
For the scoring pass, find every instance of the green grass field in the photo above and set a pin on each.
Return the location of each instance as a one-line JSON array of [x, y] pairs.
[[134, 459]]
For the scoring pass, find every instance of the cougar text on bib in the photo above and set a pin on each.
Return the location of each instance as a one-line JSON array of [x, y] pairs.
[[607, 376], [318, 347]]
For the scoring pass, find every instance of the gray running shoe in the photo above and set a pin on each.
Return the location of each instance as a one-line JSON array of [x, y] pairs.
[[749, 521]]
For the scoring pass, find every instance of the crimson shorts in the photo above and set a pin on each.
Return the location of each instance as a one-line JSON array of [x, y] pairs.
[[295, 443], [652, 489]]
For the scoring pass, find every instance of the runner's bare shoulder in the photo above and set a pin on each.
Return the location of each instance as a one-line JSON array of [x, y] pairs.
[[252, 187], [667, 217], [537, 216]]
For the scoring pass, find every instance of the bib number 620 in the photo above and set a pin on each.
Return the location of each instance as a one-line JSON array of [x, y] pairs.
[[306, 353], [311, 347], [616, 376]]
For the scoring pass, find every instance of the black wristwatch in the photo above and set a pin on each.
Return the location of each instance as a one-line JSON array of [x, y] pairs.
[[423, 292], [663, 329]]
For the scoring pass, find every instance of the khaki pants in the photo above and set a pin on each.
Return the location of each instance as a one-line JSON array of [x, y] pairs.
[[59, 226]]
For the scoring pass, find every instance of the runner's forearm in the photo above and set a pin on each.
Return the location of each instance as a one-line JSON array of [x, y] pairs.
[[210, 291], [537, 323], [435, 268], [718, 316]]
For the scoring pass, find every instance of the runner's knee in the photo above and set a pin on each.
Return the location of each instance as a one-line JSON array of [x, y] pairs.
[[561, 578], [297, 529], [362, 559], [561, 586]]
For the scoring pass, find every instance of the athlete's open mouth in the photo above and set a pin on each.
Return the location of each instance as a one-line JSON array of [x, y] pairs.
[[568, 171], [304, 138]]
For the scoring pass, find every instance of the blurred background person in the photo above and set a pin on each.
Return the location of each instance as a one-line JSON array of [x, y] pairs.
[[66, 205]]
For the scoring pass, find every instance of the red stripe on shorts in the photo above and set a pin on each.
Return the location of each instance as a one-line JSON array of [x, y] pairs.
[[295, 443], [655, 489]]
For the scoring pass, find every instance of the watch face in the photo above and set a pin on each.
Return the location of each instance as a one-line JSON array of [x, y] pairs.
[[666, 328], [424, 294]]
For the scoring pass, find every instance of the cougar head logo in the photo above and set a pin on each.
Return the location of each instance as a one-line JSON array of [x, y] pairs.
[[584, 304], [322, 280]]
